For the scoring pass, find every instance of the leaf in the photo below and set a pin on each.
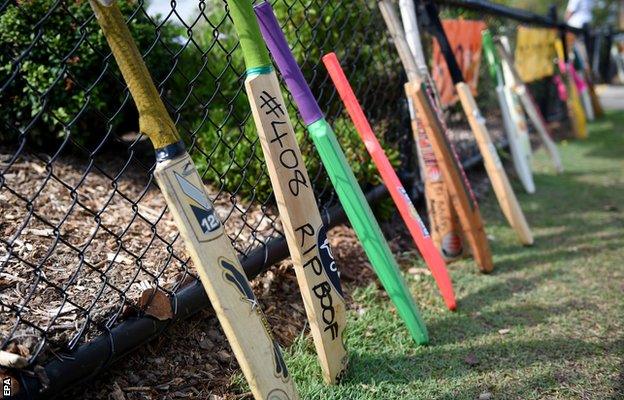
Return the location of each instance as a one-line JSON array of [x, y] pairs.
[[156, 303]]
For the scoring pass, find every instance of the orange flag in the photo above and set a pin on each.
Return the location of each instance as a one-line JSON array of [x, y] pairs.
[[465, 39]]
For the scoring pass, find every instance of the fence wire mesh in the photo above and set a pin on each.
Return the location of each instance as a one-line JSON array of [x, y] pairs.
[[85, 235]]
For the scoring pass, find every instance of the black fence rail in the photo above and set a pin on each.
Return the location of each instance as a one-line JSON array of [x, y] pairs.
[[85, 236]]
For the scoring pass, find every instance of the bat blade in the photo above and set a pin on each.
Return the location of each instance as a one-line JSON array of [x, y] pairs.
[[519, 155], [223, 279], [467, 209], [351, 197], [443, 220], [529, 105], [494, 167], [516, 113], [306, 235], [212, 253], [408, 212], [575, 109]]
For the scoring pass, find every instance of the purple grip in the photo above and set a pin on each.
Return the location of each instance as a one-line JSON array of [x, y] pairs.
[[276, 42]]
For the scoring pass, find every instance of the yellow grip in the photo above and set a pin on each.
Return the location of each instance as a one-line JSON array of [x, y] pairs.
[[154, 120]]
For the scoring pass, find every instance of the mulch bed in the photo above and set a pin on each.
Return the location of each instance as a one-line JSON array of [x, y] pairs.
[[105, 246]]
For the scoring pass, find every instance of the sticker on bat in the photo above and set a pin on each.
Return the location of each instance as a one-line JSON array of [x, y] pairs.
[[327, 259], [413, 211], [322, 265], [202, 209], [237, 279]]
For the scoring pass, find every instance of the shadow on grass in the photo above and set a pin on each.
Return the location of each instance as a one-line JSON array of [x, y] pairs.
[[450, 361], [560, 215], [602, 143], [466, 326]]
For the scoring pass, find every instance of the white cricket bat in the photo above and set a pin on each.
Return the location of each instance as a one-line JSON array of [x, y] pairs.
[[530, 107]]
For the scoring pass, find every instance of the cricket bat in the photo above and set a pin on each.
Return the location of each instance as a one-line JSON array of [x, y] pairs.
[[399, 195], [443, 220], [521, 159], [529, 104], [583, 91], [583, 59], [493, 165], [581, 84], [575, 109], [305, 233], [425, 113], [414, 42], [515, 106], [353, 201], [212, 253]]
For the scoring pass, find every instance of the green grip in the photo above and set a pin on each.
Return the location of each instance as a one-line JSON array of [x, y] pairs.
[[254, 50], [366, 228], [494, 64]]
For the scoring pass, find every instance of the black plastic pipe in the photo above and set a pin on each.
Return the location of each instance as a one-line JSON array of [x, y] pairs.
[[517, 14]]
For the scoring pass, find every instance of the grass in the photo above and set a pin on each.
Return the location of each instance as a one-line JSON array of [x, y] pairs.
[[548, 323]]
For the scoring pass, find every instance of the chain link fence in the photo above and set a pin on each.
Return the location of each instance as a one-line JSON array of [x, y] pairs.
[[91, 263]]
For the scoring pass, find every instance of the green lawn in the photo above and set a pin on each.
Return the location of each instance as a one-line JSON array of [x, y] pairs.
[[548, 323]]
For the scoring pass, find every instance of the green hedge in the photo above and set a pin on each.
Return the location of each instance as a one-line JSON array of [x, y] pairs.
[[56, 79]]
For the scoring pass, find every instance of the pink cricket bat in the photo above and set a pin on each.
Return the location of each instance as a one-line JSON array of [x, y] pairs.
[[410, 216]]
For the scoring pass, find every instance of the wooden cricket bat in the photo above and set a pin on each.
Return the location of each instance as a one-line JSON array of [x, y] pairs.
[[351, 196], [399, 195], [581, 53], [306, 235], [516, 110], [575, 109], [425, 114], [521, 158], [583, 91], [529, 105], [493, 165], [579, 78], [212, 253], [443, 220], [414, 42]]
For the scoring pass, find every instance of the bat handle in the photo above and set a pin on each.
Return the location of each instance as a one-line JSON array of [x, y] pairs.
[[276, 42], [393, 23], [154, 120], [438, 32], [254, 50]]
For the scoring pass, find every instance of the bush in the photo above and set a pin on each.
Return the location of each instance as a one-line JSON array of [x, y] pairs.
[[63, 49]]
